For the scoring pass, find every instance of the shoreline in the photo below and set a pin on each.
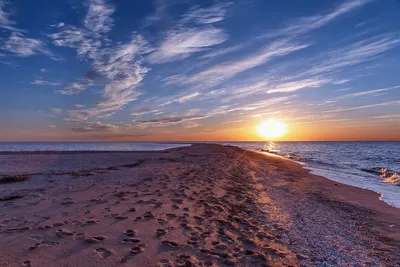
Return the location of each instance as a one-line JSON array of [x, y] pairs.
[[206, 204], [377, 195], [315, 171]]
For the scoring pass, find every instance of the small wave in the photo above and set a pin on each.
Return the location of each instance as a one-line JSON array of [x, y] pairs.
[[387, 176], [276, 152], [293, 156], [393, 178], [376, 170]]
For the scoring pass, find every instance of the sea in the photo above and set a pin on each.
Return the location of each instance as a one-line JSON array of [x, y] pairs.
[[370, 165]]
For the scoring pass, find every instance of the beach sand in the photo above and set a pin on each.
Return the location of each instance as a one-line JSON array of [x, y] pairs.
[[204, 205]]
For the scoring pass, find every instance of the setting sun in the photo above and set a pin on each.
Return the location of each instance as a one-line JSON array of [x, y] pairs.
[[271, 129]]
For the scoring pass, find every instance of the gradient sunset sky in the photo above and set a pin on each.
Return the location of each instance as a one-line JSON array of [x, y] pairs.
[[179, 70]]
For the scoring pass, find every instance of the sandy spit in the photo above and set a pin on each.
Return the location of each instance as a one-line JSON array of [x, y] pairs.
[[204, 205]]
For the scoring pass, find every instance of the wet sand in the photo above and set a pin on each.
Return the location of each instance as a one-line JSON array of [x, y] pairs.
[[205, 205]]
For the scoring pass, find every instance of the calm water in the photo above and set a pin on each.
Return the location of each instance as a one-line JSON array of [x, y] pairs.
[[370, 165], [87, 146]]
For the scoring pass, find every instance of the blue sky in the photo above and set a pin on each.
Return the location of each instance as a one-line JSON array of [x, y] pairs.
[[198, 70]]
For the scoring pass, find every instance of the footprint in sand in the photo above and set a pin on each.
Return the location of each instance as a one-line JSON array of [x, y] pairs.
[[91, 241], [26, 264], [104, 253], [129, 232], [99, 238], [137, 249], [63, 232], [120, 218], [148, 215], [162, 221], [130, 240], [34, 247], [160, 233], [170, 243]]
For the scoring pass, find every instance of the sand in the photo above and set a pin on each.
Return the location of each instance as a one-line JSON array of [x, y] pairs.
[[205, 205]]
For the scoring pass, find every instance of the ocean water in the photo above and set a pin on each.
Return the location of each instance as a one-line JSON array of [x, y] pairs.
[[369, 165], [86, 146]]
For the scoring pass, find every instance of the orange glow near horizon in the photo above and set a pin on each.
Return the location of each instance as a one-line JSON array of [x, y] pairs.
[[242, 130]]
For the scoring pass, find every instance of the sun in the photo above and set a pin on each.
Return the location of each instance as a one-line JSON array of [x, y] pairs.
[[272, 129]]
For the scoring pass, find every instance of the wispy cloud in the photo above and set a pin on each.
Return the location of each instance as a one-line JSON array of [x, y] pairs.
[[368, 92], [120, 67], [195, 114], [353, 54], [193, 33], [343, 109], [98, 19], [79, 86], [307, 24], [79, 39], [17, 44], [78, 115], [235, 121], [221, 72], [269, 86], [144, 111], [76, 87], [297, 85], [5, 21], [21, 46], [89, 39], [181, 99], [95, 127], [159, 122], [226, 109], [223, 51], [47, 83], [339, 82], [263, 114], [52, 126], [124, 71], [208, 15], [191, 124], [388, 116], [324, 103], [180, 44]]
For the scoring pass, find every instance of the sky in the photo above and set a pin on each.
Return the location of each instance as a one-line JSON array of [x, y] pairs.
[[183, 70]]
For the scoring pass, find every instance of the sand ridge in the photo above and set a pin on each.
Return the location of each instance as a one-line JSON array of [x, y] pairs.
[[205, 205]]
